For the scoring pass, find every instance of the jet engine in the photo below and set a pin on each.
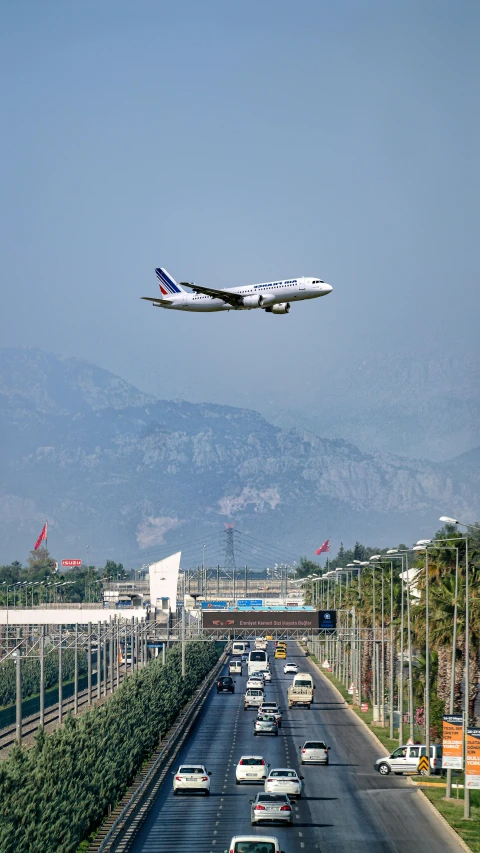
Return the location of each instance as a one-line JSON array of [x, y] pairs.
[[254, 301], [279, 308]]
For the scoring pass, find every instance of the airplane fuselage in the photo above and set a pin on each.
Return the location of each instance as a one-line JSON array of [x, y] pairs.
[[264, 295]]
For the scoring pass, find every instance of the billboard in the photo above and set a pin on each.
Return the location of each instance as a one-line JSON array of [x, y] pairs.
[[163, 577], [452, 742], [214, 605], [70, 563], [472, 770], [269, 620]]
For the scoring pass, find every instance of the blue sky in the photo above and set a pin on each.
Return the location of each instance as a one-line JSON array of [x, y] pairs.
[[234, 143]]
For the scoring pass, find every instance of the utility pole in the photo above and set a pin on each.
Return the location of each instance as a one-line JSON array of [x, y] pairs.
[[60, 677], [99, 660], [42, 675], [183, 642], [75, 676], [89, 664], [18, 655]]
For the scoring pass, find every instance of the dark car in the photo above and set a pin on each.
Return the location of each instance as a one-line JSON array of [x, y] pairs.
[[225, 684]]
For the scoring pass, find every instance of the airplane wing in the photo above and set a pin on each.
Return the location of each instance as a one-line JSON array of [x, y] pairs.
[[156, 300], [234, 299]]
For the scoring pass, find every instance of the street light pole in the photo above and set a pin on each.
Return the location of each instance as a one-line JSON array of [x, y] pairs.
[[466, 793]]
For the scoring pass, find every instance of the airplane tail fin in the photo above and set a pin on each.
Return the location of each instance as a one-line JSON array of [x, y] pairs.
[[168, 285]]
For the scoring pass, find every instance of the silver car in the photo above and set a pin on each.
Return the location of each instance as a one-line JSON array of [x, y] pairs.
[[273, 709], [265, 724], [314, 752], [271, 807]]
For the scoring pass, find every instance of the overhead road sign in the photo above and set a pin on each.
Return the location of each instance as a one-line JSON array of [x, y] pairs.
[[71, 563], [214, 605], [327, 620], [249, 602], [269, 620]]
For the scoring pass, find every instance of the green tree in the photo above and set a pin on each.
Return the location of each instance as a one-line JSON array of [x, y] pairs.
[[114, 570], [40, 564], [308, 567]]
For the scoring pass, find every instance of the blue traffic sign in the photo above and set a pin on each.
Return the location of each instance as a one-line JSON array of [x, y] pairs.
[[249, 602], [214, 605]]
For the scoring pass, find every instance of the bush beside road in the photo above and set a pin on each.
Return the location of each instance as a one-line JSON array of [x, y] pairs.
[[56, 793]]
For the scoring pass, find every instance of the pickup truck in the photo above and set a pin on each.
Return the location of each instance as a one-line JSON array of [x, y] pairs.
[[301, 690]]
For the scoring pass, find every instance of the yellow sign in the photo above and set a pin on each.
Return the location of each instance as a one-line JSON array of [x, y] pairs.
[[423, 765]]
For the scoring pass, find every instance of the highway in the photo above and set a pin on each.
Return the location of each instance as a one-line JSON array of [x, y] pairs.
[[346, 806]]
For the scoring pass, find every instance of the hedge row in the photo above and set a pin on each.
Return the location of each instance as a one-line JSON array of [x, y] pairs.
[[54, 795], [31, 673]]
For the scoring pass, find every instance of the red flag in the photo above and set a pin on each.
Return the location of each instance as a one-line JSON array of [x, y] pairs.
[[324, 547], [43, 535]]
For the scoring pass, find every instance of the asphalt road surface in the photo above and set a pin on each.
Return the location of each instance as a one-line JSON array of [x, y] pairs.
[[346, 806]]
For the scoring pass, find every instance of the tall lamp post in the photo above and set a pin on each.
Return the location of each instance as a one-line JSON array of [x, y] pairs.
[[421, 545], [447, 520], [394, 553]]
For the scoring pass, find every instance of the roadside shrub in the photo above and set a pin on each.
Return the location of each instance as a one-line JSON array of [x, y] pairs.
[[56, 793]]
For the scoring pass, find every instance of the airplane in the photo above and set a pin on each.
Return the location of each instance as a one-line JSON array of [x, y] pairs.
[[275, 297]]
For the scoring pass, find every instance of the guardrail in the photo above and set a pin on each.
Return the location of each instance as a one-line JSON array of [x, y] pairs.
[[119, 836]]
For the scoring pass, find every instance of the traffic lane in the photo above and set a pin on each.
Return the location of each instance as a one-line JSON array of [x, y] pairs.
[[364, 806], [188, 822], [206, 824]]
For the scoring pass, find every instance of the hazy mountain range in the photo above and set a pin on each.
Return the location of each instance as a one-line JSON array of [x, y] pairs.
[[417, 404], [133, 477]]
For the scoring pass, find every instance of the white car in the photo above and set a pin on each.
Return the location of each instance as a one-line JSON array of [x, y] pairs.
[[255, 681], [192, 777], [290, 667], [254, 844], [284, 780], [251, 768], [267, 675], [314, 752]]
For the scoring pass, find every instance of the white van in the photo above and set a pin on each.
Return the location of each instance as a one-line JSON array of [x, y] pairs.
[[405, 759], [253, 698], [238, 648], [257, 661]]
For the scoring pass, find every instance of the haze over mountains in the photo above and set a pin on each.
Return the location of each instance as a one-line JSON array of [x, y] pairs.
[[134, 477]]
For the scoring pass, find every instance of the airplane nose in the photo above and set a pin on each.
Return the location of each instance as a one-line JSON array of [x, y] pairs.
[[327, 288]]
